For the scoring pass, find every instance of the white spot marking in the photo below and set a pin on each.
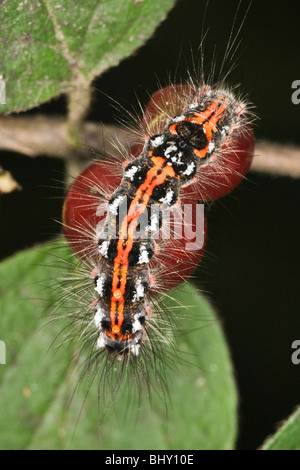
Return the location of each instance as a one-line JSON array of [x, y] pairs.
[[211, 146], [190, 169], [134, 349], [131, 172], [101, 341], [157, 141], [170, 149], [168, 197], [144, 257], [113, 207], [136, 326], [100, 285], [178, 118], [103, 248], [139, 291], [99, 315]]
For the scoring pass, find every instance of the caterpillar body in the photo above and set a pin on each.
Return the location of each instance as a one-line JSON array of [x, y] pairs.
[[198, 145]]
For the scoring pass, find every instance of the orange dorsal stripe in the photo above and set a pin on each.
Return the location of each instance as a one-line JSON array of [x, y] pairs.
[[127, 230]]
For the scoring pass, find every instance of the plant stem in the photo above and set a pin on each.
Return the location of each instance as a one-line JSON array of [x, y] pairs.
[[41, 135]]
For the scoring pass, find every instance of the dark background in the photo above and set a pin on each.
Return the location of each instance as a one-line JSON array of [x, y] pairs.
[[251, 270]]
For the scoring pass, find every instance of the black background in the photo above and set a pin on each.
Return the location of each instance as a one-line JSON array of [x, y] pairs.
[[251, 269]]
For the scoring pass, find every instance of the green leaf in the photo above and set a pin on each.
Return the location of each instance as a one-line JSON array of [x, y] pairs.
[[49, 47], [288, 435], [42, 407]]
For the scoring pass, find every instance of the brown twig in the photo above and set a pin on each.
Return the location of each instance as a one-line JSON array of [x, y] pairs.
[[277, 159], [41, 135]]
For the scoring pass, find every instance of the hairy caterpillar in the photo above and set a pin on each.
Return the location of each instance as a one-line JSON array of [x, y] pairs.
[[137, 228], [198, 145]]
